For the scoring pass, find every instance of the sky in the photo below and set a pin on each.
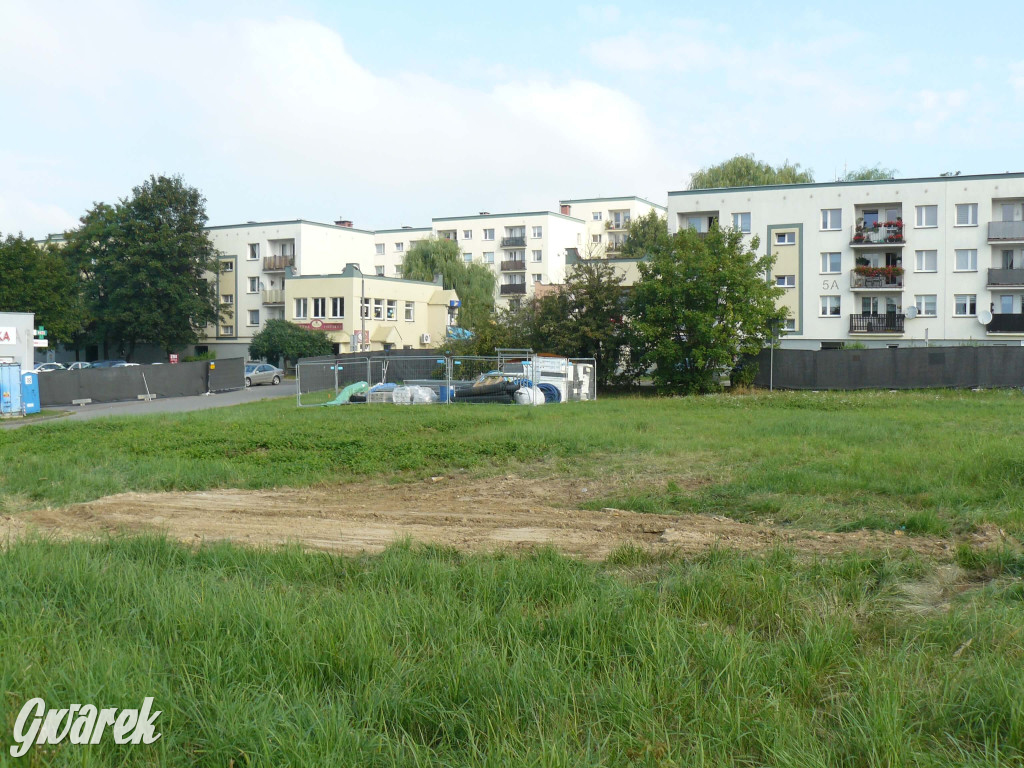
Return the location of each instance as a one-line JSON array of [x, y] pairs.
[[389, 114]]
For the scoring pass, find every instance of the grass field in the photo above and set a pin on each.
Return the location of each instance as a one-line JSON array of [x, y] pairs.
[[429, 656]]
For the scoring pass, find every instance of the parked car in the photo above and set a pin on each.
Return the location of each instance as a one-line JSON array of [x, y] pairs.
[[107, 363], [122, 364], [79, 366], [262, 373], [47, 367]]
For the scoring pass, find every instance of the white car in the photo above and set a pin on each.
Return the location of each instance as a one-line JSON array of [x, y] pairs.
[[79, 366], [47, 367]]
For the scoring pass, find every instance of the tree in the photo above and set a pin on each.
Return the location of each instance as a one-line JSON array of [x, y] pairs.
[[41, 279], [746, 171], [474, 283], [281, 339], [870, 173], [145, 263], [645, 235], [701, 303]]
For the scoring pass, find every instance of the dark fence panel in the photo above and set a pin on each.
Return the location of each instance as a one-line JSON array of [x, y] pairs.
[[902, 368], [110, 385]]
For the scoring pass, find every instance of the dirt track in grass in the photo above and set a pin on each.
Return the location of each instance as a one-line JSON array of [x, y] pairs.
[[493, 514]]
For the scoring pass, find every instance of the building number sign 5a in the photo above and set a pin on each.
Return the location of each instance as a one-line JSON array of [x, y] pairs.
[[830, 285]]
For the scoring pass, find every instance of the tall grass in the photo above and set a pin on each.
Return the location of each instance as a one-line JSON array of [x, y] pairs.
[[424, 656]]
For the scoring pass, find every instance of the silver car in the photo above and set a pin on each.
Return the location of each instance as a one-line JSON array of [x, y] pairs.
[[262, 373]]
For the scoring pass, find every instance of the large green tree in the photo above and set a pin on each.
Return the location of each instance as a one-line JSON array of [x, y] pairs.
[[474, 283], [41, 279], [280, 339], [870, 173], [145, 263], [700, 305], [646, 234], [747, 171]]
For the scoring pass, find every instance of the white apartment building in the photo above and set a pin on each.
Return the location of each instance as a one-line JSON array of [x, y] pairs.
[[900, 262], [391, 245], [607, 220], [523, 249]]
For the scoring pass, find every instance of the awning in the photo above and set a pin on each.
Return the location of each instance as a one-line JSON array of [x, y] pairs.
[[339, 337], [385, 334]]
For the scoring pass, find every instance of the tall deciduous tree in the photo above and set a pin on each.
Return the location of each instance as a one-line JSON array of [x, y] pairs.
[[646, 234], [587, 321], [746, 171], [281, 339], [145, 263], [41, 279], [700, 304], [870, 173], [474, 283]]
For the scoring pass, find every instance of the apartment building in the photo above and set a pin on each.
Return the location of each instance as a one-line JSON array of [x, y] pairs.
[[523, 249], [254, 259], [900, 262], [607, 220], [391, 245], [368, 312]]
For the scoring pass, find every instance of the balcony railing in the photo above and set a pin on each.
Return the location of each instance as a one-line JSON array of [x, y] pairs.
[[1006, 277], [618, 223], [513, 242], [1006, 230], [887, 323], [273, 296], [881, 282], [881, 236], [1006, 323], [514, 289], [277, 263], [513, 265]]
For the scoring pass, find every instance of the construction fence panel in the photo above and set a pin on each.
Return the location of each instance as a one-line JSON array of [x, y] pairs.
[[582, 384], [323, 381]]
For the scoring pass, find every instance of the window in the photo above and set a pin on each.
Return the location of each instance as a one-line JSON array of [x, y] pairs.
[[489, 257], [966, 260], [785, 281], [254, 251], [1007, 261], [467, 257], [966, 305], [380, 249], [831, 263], [830, 306], [967, 215], [399, 247], [537, 277], [1006, 304], [364, 308], [301, 308], [741, 221], [254, 317], [789, 324], [392, 309], [227, 298], [227, 266], [488, 234], [538, 231], [378, 309], [926, 261], [831, 218], [380, 270], [467, 234], [410, 311], [338, 306], [595, 239], [398, 270], [538, 255], [925, 304], [320, 307], [227, 330], [785, 238], [597, 215], [254, 285], [927, 215]]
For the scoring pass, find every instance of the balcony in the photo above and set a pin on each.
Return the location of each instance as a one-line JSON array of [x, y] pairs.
[[622, 223], [613, 247], [277, 263], [273, 296], [1006, 323], [514, 289], [887, 323], [1006, 277], [513, 242], [888, 233], [1006, 231], [876, 279], [514, 265]]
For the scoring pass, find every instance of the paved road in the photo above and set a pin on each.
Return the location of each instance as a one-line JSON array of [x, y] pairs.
[[165, 405]]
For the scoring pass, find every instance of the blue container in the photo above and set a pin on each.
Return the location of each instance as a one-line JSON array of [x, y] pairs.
[[447, 394], [10, 389], [30, 392]]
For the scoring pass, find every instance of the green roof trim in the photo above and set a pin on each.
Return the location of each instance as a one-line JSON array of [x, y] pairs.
[[918, 180], [611, 199], [402, 229], [292, 221], [506, 216]]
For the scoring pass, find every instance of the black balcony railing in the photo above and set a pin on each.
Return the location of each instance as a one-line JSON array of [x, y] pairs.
[[887, 323], [277, 263], [513, 242], [514, 289], [1006, 230], [1006, 277], [513, 265], [1006, 323]]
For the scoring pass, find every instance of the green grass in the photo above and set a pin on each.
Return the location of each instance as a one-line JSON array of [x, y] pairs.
[[928, 462], [423, 656]]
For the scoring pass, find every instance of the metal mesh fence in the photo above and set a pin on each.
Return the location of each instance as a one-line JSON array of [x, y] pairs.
[[322, 382]]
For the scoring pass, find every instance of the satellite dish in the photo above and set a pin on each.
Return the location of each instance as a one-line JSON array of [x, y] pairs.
[[984, 317], [911, 313]]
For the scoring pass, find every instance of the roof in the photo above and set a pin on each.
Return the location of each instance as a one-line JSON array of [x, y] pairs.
[[506, 216], [821, 184], [249, 224], [401, 229], [353, 271], [611, 199]]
